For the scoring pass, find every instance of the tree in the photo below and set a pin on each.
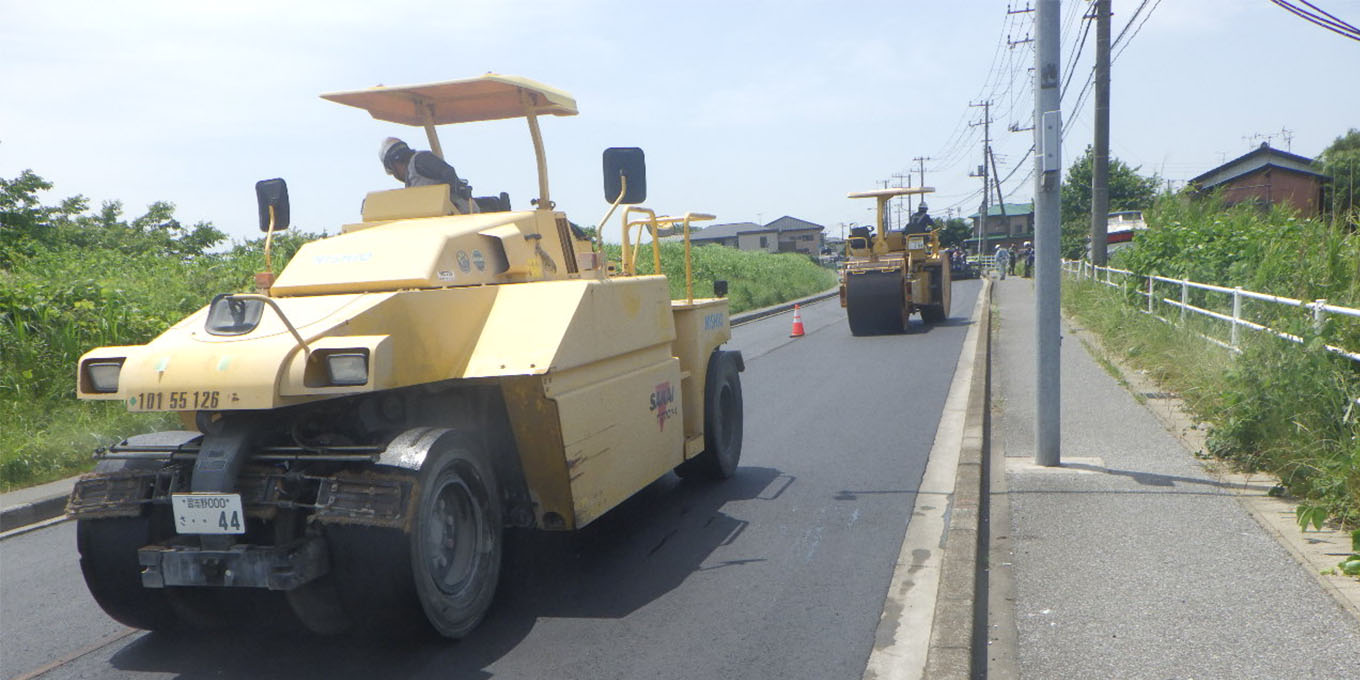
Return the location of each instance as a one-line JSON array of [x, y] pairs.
[[953, 231], [1341, 162], [28, 226], [1128, 191]]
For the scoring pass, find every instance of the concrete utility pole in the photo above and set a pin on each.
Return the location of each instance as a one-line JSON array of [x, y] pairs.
[[1100, 154], [982, 170], [1048, 232], [922, 160]]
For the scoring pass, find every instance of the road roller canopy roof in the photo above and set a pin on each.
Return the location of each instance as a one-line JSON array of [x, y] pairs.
[[891, 192], [487, 97]]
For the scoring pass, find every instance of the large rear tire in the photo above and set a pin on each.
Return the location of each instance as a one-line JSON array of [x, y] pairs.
[[108, 560], [875, 303], [723, 421]]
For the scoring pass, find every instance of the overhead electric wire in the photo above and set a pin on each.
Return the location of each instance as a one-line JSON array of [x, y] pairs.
[[1132, 18], [1125, 45], [1076, 55], [1333, 17], [1327, 21]]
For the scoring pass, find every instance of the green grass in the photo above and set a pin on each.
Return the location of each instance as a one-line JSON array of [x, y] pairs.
[[755, 279]]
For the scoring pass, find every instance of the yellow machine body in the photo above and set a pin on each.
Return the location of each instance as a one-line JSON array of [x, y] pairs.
[[602, 377], [891, 274]]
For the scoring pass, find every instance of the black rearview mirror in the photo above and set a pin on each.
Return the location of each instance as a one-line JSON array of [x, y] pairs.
[[272, 193], [625, 162]]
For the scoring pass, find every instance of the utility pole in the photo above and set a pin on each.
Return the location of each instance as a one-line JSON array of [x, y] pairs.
[[1000, 197], [1100, 154], [897, 204], [1047, 232], [982, 169]]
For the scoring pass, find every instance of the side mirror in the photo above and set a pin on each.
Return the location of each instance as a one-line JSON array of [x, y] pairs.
[[621, 162], [720, 288], [272, 193]]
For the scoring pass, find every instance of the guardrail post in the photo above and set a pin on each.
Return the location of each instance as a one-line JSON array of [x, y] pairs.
[[1237, 314], [1319, 315], [1185, 297], [1150, 298]]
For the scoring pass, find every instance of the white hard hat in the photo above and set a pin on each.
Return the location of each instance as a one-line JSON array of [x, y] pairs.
[[389, 151]]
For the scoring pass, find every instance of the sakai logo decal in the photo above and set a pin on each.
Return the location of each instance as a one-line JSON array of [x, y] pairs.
[[463, 262], [663, 398], [713, 321]]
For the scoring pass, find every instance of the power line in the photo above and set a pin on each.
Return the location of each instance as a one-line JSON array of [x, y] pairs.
[[1135, 31], [1321, 18]]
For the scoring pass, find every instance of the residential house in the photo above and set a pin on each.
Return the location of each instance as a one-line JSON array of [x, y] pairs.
[[1267, 176], [798, 236], [1010, 223], [784, 235]]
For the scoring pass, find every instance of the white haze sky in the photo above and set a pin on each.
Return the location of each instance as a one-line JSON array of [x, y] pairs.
[[750, 110]]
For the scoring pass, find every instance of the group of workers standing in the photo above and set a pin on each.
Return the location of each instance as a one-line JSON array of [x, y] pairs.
[[1006, 262]]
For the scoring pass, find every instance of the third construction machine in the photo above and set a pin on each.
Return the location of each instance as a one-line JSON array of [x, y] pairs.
[[893, 273]]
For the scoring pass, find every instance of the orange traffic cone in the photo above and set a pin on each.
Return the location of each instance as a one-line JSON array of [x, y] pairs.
[[797, 331]]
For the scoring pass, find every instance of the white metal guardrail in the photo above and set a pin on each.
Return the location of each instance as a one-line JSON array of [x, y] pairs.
[[1148, 287]]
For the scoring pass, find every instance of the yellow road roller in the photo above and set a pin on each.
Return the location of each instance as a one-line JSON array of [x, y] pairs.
[[359, 431], [891, 274]]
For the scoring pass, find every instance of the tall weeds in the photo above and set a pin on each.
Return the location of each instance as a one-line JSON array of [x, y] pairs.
[[1282, 407]]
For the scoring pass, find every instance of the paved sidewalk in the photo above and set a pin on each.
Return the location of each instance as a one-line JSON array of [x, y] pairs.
[[1131, 561]]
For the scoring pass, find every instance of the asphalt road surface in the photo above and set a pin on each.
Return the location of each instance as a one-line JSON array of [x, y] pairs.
[[779, 572]]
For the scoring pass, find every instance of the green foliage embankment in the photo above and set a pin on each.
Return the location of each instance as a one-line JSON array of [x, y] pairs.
[[754, 279], [1282, 407], [74, 278]]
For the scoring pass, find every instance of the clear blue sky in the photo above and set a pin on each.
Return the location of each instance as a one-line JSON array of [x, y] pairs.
[[750, 110]]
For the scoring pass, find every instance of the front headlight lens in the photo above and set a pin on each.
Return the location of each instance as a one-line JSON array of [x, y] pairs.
[[347, 368], [103, 375]]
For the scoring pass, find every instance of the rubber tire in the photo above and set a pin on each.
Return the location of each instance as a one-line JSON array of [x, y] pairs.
[[933, 313], [875, 303], [385, 577], [108, 560], [460, 475], [723, 421]]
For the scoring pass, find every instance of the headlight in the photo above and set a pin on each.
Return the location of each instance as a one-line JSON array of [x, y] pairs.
[[347, 368], [103, 375]]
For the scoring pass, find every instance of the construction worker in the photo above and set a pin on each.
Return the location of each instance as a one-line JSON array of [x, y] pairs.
[[920, 221], [423, 168]]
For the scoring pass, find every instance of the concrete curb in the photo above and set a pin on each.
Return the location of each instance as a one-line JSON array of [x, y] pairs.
[[958, 636], [757, 314], [34, 504]]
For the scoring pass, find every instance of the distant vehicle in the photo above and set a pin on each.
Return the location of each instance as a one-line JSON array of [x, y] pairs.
[[960, 267], [365, 427], [893, 274]]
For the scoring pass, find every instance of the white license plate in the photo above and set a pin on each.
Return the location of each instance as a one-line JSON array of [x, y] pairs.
[[208, 513]]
